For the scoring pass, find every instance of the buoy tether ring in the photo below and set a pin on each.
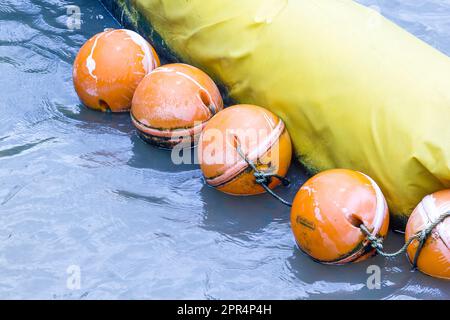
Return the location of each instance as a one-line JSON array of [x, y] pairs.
[[264, 178]]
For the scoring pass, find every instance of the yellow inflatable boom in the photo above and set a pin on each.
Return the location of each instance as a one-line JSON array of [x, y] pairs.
[[355, 90]]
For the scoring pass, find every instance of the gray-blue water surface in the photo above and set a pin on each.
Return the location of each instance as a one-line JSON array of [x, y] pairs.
[[79, 189]]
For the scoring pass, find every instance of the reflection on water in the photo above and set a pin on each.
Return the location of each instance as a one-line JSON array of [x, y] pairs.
[[78, 187]]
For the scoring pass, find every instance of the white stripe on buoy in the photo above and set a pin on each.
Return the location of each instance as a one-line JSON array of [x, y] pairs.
[[90, 62], [432, 212], [184, 75], [380, 206], [149, 62]]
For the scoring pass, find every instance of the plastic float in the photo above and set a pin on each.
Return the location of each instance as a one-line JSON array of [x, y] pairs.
[[429, 226], [328, 211], [245, 150], [173, 103], [109, 67]]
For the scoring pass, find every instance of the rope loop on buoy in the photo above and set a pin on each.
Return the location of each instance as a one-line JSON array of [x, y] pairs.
[[264, 178], [421, 237]]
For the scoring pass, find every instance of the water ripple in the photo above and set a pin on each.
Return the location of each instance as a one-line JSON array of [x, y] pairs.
[[16, 150]]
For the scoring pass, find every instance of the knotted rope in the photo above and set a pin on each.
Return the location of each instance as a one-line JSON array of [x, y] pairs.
[[421, 236], [264, 178]]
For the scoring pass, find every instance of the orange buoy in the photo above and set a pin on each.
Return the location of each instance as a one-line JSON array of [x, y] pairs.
[[173, 103], [109, 67], [260, 136], [328, 210], [434, 256]]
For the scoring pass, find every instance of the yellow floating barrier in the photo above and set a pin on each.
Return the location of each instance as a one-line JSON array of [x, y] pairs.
[[354, 90]]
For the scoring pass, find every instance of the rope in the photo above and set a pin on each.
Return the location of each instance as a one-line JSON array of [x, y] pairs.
[[421, 236], [264, 178]]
